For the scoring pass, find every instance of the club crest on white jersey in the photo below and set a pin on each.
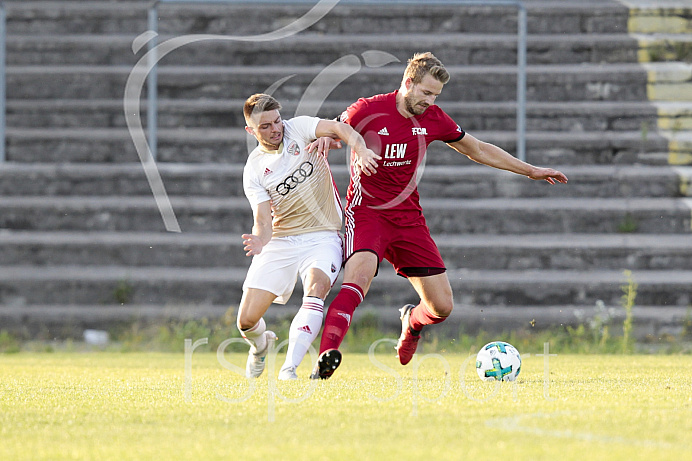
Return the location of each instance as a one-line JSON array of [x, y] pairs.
[[293, 149]]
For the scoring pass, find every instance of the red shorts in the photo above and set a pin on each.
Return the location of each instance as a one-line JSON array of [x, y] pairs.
[[402, 238]]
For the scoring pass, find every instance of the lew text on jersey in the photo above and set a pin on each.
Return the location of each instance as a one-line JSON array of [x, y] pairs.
[[395, 151]]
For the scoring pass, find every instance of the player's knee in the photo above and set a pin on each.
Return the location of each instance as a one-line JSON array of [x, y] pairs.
[[446, 310], [317, 284], [360, 269], [246, 321], [318, 288], [442, 308]]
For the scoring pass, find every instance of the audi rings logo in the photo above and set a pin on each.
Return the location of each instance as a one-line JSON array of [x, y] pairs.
[[299, 175]]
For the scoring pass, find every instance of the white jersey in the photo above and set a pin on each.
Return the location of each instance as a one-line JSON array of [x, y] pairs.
[[299, 184]]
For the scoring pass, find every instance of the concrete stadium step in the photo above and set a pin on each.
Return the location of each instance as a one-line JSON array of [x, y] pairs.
[[452, 181], [649, 323], [223, 145], [65, 17], [473, 116], [535, 287], [592, 181], [469, 252], [113, 285], [672, 83], [101, 17], [663, 31], [122, 179], [566, 215], [126, 249], [233, 215], [568, 82], [116, 145], [680, 147], [649, 16], [521, 288], [669, 81], [320, 49], [674, 116], [662, 47], [581, 252]]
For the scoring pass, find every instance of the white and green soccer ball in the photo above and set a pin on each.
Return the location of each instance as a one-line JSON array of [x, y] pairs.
[[498, 361]]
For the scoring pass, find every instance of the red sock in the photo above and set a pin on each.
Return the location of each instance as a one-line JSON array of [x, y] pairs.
[[421, 316], [339, 316]]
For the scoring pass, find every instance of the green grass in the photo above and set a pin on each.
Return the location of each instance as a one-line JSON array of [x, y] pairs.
[[117, 406]]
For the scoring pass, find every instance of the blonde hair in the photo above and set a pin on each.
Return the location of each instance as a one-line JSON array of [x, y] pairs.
[[258, 103], [425, 63]]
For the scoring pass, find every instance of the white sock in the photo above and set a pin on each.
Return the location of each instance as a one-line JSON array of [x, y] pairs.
[[255, 335], [304, 329]]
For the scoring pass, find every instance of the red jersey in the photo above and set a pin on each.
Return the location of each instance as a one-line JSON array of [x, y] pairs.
[[402, 143]]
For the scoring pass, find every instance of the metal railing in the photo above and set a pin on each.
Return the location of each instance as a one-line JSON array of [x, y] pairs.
[[3, 104], [152, 82]]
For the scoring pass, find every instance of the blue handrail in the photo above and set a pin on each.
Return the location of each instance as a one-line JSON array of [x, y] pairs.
[[3, 38]]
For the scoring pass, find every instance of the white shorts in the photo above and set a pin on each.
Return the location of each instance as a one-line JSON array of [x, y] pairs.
[[277, 267]]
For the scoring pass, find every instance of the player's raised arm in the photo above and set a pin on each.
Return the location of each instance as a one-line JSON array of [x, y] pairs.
[[367, 159], [491, 155]]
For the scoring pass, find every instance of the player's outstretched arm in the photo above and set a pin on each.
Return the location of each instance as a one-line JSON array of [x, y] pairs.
[[366, 158], [261, 230], [491, 155]]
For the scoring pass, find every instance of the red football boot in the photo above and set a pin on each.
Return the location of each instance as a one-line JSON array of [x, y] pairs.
[[408, 341]]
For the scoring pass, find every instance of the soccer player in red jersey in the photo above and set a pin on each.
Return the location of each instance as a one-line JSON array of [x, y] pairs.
[[383, 216]]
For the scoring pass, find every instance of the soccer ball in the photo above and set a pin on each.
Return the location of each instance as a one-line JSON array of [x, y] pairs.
[[498, 361]]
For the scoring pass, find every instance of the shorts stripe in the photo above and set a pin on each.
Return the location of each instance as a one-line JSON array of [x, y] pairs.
[[350, 229]]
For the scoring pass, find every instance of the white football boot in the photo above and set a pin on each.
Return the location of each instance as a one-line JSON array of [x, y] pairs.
[[288, 373], [255, 359]]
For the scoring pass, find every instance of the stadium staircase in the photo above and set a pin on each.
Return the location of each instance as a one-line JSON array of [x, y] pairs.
[[609, 102]]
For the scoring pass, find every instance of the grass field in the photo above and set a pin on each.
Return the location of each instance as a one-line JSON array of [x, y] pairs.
[[151, 406]]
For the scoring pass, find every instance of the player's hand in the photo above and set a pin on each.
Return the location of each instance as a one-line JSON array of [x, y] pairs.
[[253, 244], [366, 161], [323, 145], [548, 174]]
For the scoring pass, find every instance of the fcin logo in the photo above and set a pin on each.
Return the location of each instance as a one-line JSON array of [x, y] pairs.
[[293, 149]]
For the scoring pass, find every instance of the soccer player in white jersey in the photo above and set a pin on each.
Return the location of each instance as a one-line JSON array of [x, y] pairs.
[[297, 218]]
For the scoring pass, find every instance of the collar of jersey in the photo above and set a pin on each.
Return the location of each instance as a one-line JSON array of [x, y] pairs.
[[414, 116], [277, 151]]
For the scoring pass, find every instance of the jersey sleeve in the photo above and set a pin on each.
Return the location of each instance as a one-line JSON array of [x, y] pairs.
[[450, 131], [354, 114], [302, 127], [254, 191]]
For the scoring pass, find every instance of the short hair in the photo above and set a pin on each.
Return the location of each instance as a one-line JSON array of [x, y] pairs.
[[425, 63], [258, 103]]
